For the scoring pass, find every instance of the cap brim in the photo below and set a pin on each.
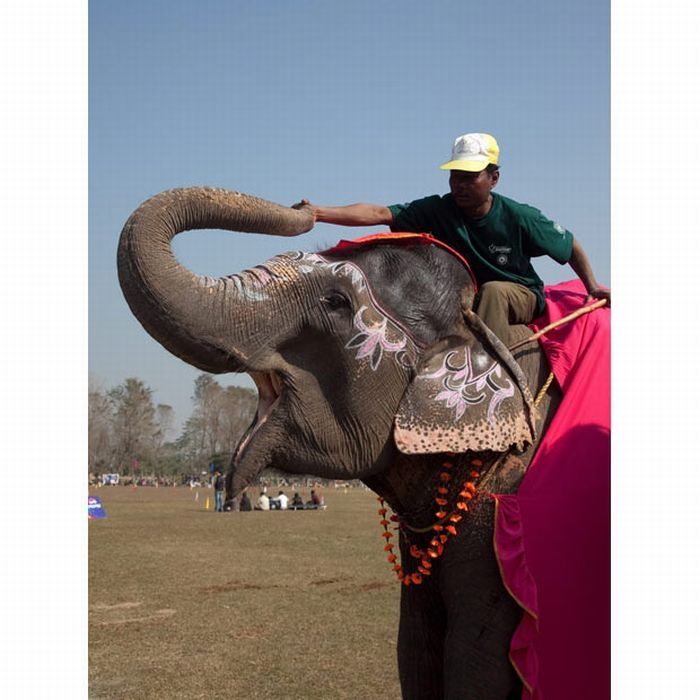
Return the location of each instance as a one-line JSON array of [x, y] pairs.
[[471, 166]]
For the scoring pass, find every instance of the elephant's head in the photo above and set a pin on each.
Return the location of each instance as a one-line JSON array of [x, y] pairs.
[[355, 352]]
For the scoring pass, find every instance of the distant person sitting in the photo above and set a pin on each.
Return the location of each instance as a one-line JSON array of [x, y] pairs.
[[282, 500], [263, 503], [245, 502], [315, 501], [297, 502]]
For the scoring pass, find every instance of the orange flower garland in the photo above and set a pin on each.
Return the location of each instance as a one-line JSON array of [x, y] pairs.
[[444, 527]]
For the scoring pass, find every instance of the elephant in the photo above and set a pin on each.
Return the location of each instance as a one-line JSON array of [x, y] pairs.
[[370, 365]]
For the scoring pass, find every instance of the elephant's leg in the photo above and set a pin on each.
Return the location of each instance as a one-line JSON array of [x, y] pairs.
[[481, 618], [422, 628], [477, 666]]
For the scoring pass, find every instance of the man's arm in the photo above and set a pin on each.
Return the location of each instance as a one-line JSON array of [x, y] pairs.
[[582, 267], [351, 215]]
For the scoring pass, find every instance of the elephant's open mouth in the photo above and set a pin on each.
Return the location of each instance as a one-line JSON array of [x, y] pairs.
[[269, 387]]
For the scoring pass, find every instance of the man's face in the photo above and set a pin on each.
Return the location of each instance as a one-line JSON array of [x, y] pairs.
[[471, 191]]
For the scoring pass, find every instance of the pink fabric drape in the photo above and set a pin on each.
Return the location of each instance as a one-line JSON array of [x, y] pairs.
[[552, 538]]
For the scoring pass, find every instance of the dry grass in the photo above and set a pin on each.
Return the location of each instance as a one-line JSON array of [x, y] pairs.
[[188, 603]]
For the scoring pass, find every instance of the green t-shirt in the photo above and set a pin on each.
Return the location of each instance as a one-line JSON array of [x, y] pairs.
[[499, 245]]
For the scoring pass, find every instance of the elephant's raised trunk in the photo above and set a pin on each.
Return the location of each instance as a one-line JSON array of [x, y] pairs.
[[188, 314]]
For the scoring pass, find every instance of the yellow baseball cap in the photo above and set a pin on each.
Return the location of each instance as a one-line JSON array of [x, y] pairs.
[[472, 152]]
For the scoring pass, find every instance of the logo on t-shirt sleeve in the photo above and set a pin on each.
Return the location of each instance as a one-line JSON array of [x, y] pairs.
[[559, 228]]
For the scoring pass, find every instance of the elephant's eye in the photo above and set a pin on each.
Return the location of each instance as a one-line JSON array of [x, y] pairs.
[[335, 301]]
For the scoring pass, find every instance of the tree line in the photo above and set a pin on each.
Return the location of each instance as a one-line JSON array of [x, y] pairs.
[[128, 433]]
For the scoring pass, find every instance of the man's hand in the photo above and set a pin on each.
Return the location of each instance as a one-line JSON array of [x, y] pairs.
[[582, 267], [599, 293], [305, 204]]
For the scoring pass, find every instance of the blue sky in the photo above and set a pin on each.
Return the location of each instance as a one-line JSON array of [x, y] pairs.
[[337, 102]]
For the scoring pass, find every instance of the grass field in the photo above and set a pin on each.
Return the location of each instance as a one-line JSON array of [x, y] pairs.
[[188, 603]]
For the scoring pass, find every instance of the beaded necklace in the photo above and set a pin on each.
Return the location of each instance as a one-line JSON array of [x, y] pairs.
[[446, 525], [444, 528]]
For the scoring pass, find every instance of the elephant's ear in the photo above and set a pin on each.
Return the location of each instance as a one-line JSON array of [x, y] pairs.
[[469, 394]]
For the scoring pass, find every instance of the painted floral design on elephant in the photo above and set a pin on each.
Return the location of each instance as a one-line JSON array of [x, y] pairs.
[[374, 327], [372, 341], [472, 379], [376, 335], [253, 284], [310, 261], [250, 284]]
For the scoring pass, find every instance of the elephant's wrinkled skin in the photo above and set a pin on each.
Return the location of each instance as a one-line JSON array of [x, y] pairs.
[[369, 365]]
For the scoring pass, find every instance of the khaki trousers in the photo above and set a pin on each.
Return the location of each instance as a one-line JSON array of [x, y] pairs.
[[501, 304]]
